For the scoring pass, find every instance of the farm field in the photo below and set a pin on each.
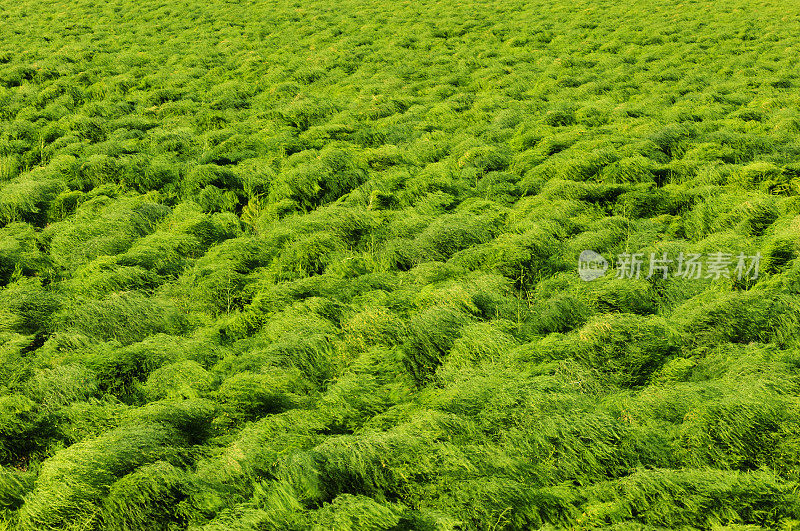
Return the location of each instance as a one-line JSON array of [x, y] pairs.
[[288, 265]]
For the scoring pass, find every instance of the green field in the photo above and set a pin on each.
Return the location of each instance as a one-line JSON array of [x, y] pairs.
[[271, 265]]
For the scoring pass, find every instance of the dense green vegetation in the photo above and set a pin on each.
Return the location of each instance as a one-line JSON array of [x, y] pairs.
[[311, 264]]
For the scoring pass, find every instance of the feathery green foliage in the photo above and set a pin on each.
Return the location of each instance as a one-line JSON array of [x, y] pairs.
[[312, 265]]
